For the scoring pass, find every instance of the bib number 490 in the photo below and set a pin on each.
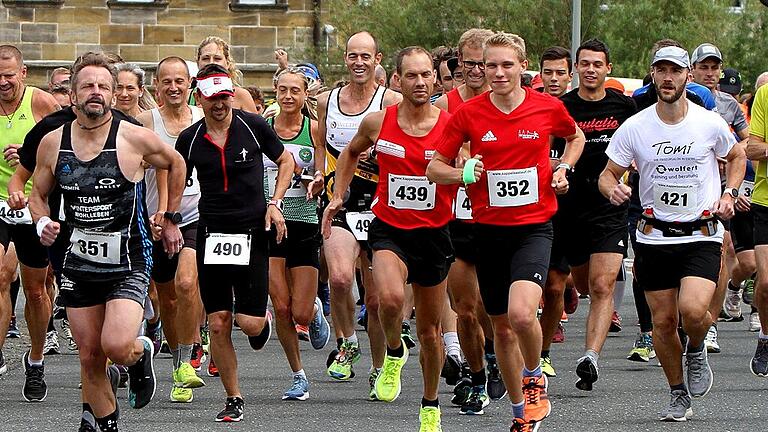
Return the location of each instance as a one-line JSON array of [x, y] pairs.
[[232, 249], [226, 249]]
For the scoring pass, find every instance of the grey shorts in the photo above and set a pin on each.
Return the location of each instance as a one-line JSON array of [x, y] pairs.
[[77, 291]]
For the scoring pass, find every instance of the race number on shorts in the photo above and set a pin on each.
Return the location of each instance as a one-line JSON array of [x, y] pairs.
[[96, 246], [411, 192], [232, 249], [14, 217], [462, 206], [359, 222], [296, 187], [513, 187], [675, 198]]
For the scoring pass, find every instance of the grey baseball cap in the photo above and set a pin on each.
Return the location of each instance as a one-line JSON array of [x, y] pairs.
[[672, 54], [705, 51]]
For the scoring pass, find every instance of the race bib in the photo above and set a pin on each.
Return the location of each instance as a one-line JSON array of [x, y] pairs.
[[193, 186], [513, 187], [295, 189], [411, 192], [675, 198], [462, 206], [359, 222], [14, 217], [746, 188], [233, 249], [96, 246]]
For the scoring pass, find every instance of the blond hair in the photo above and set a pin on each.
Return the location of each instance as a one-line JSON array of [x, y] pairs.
[[232, 69], [474, 38], [507, 40]]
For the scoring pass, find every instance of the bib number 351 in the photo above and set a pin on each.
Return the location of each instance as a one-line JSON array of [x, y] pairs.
[[232, 249], [96, 246]]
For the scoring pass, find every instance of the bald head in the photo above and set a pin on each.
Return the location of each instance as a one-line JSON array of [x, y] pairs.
[[172, 60], [363, 39], [761, 80], [381, 75]]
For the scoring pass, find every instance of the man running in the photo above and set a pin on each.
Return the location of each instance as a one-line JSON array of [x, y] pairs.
[[175, 276], [98, 166], [409, 235], [675, 145], [22, 107], [226, 149], [512, 189], [343, 109]]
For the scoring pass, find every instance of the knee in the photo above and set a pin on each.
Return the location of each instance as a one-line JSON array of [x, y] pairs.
[[554, 289], [186, 286], [503, 334], [283, 311], [90, 357], [372, 303], [664, 325], [119, 352], [429, 335], [466, 310], [252, 326], [220, 324], [341, 281], [303, 317], [391, 303], [36, 295], [521, 320]]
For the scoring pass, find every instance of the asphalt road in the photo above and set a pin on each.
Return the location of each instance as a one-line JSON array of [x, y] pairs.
[[626, 398]]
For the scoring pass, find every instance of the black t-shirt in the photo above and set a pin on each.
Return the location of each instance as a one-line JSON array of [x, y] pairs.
[[231, 178]]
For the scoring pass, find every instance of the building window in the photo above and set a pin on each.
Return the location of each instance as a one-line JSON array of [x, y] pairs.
[[258, 4], [138, 3], [27, 3]]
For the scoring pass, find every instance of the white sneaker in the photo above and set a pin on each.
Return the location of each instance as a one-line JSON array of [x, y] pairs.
[[754, 322], [732, 304], [711, 340], [51, 343]]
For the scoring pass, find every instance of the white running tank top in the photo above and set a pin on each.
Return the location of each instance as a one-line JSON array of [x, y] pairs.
[[191, 195], [341, 127]]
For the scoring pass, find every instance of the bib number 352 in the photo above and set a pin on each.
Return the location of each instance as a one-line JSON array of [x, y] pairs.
[[513, 187], [96, 246], [232, 249]]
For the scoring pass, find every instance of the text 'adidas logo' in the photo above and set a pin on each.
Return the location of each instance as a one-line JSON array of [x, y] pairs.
[[489, 136]]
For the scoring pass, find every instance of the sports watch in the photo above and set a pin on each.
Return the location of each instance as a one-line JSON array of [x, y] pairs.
[[174, 217], [732, 192], [277, 203]]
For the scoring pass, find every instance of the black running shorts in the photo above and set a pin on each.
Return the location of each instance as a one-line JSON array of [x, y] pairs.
[[660, 267], [463, 239], [760, 221], [743, 231], [164, 268], [30, 251], [557, 258], [78, 290], [582, 235], [301, 248]]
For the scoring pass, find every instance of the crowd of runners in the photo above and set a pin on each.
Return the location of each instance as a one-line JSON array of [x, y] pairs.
[[460, 189]]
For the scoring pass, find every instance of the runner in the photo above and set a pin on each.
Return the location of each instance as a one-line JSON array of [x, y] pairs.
[[294, 263], [226, 149], [106, 269], [22, 106], [409, 235], [214, 49], [675, 145], [131, 97], [512, 202], [342, 110], [175, 277]]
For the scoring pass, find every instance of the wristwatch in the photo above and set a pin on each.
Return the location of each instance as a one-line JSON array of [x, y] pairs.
[[277, 203], [732, 192], [567, 166], [174, 217]]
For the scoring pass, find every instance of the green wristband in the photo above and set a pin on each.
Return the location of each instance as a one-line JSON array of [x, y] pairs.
[[468, 175]]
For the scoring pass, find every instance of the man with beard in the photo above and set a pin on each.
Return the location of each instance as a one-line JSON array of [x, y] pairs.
[[106, 270], [675, 145]]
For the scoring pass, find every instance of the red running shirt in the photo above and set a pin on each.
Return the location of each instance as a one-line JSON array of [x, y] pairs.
[[454, 100], [405, 198], [515, 188]]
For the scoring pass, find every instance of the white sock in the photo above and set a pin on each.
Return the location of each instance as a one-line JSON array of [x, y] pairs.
[[300, 373], [451, 340], [34, 362], [618, 294], [761, 336], [352, 338]]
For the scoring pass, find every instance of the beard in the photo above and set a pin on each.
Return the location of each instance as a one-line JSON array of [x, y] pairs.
[[93, 113], [669, 99]]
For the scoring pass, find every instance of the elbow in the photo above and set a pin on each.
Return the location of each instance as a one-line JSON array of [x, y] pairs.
[[431, 172]]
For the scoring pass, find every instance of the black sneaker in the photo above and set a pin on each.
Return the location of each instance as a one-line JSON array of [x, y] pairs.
[[35, 389], [123, 383], [257, 342], [451, 369], [233, 410], [113, 374], [496, 387], [13, 329], [3, 365], [461, 391], [405, 334], [85, 426], [142, 383], [759, 363], [586, 370], [477, 400]]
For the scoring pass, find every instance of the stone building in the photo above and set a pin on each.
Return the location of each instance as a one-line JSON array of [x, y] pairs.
[[52, 33]]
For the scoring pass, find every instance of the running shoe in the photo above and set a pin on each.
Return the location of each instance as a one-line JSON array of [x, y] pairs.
[[732, 305], [186, 377], [205, 338], [332, 356], [213, 371], [748, 293], [699, 373], [559, 336], [388, 382], [341, 368], [477, 400], [198, 356], [679, 409], [233, 410], [615, 323], [587, 372], [113, 373], [35, 389], [299, 389], [123, 383], [13, 329], [85, 426], [372, 384], [710, 341], [521, 425], [495, 385], [461, 391], [3, 365], [166, 349], [142, 385], [257, 342], [155, 335], [65, 328], [319, 329], [643, 350], [180, 394], [564, 317], [405, 335], [51, 346], [571, 300], [537, 405], [754, 322], [429, 418], [759, 363], [451, 369], [546, 367], [302, 332], [59, 312]]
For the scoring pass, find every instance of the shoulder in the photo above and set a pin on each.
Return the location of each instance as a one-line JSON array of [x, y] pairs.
[[43, 103], [571, 96], [189, 133], [51, 140], [119, 115], [442, 102], [146, 119], [391, 97], [374, 119]]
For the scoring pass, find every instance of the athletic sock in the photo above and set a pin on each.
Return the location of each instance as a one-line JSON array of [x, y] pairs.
[[34, 362], [518, 409], [532, 373], [695, 349], [300, 373], [489, 347], [429, 403], [478, 378], [680, 386], [396, 352], [762, 335], [352, 338], [594, 355], [50, 325], [176, 358], [185, 353], [108, 423], [544, 353], [451, 341]]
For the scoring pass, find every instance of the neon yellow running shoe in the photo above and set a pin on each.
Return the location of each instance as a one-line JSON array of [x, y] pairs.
[[546, 367], [181, 394], [341, 368], [430, 419], [186, 377], [388, 382]]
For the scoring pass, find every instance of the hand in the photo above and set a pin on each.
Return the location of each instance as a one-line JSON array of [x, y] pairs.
[[11, 154], [49, 234], [156, 225], [330, 212], [461, 158], [282, 58], [724, 207], [172, 239], [553, 163], [559, 181], [315, 187], [17, 200], [478, 167], [274, 216], [743, 203], [620, 194]]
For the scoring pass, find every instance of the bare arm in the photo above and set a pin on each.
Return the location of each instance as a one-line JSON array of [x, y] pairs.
[[244, 100], [44, 181], [757, 148], [43, 104], [610, 185], [442, 102], [16, 198], [441, 171], [285, 166]]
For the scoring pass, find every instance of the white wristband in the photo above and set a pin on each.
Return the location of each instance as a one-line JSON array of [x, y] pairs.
[[41, 224]]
